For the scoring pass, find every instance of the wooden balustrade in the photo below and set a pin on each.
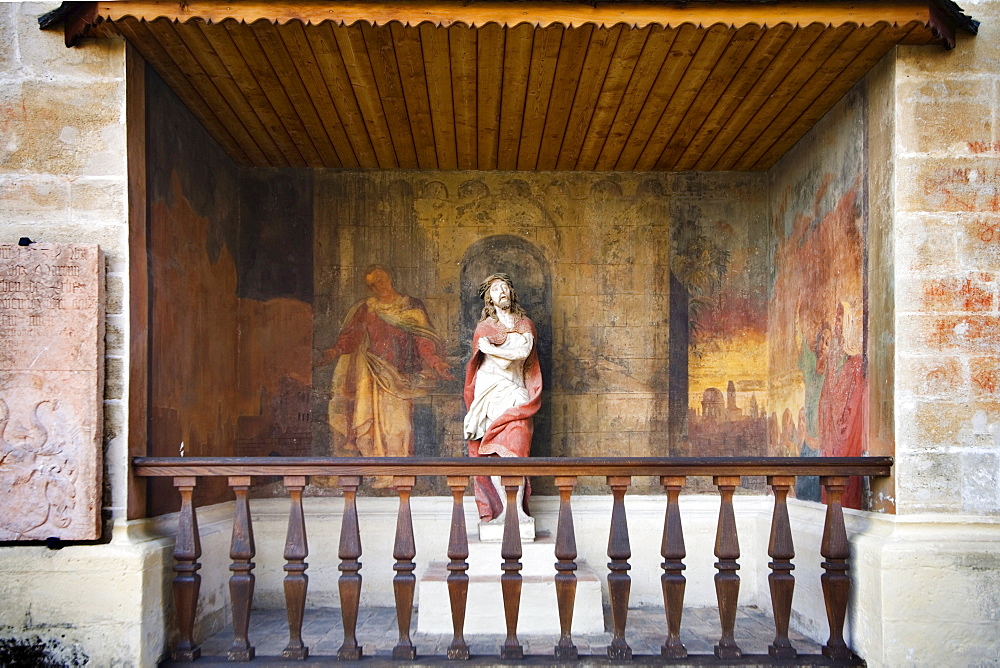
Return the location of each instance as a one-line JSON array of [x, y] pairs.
[[836, 581], [296, 582], [727, 582], [350, 568], [405, 582], [619, 582], [458, 581], [187, 582], [727, 474], [565, 577], [241, 583], [510, 581], [672, 580], [781, 581]]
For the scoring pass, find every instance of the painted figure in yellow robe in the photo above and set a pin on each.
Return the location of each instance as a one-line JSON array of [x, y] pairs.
[[387, 354]]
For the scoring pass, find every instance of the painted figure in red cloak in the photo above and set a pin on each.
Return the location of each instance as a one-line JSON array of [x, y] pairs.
[[503, 389], [387, 354], [843, 401]]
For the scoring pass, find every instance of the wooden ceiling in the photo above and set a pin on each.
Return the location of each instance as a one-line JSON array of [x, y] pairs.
[[501, 85]]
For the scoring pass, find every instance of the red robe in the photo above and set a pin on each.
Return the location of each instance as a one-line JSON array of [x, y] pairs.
[[843, 419], [513, 429], [386, 352]]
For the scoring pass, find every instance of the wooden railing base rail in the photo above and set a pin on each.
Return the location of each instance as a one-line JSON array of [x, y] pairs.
[[518, 466], [749, 660], [726, 474]]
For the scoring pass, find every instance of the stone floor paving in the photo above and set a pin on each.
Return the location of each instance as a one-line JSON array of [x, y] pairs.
[[377, 633]]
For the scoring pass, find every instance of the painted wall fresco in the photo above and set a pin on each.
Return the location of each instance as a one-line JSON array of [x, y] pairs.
[[818, 310], [429, 230], [274, 285], [387, 354], [229, 368], [591, 256], [719, 264], [330, 312], [192, 229]]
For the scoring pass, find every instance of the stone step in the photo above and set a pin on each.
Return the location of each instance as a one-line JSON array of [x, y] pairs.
[[539, 611]]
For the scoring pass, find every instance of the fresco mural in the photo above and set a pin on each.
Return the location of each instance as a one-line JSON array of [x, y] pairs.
[[387, 354], [327, 312], [230, 349], [590, 255], [718, 265], [818, 306]]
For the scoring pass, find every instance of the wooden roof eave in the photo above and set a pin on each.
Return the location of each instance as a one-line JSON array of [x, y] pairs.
[[78, 20], [947, 18], [941, 17], [445, 85]]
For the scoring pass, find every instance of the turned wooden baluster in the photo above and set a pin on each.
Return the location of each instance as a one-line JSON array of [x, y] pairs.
[[187, 582], [350, 575], [404, 581], [836, 580], [781, 581], [619, 581], [565, 567], [458, 581], [673, 580], [241, 582], [510, 581], [296, 580], [727, 582]]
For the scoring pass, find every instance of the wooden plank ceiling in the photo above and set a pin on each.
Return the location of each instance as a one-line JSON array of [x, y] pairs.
[[512, 86]]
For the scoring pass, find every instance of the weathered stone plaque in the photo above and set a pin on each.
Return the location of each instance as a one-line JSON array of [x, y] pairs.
[[51, 391]]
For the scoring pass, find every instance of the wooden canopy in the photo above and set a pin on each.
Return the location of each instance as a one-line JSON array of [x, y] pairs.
[[420, 84]]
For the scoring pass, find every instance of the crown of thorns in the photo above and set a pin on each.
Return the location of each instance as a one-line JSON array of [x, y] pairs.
[[485, 285]]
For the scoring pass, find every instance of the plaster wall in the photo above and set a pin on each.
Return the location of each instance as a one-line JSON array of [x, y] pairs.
[[99, 605], [924, 590]]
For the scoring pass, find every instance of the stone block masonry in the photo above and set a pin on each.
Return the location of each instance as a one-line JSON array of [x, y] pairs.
[[947, 239]]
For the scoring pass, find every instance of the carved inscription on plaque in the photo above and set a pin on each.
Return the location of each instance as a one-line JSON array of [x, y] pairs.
[[51, 391]]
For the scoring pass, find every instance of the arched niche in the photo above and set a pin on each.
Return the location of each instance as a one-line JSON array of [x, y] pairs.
[[532, 277]]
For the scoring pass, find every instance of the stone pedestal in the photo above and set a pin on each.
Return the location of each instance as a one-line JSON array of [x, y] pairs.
[[539, 612], [493, 533]]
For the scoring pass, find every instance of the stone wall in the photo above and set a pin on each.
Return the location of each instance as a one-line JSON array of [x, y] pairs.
[[947, 240], [62, 174], [63, 180]]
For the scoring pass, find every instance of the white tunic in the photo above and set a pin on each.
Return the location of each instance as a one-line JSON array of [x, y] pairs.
[[499, 382]]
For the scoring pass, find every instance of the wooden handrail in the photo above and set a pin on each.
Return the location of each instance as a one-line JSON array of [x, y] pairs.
[[618, 471], [499, 466]]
